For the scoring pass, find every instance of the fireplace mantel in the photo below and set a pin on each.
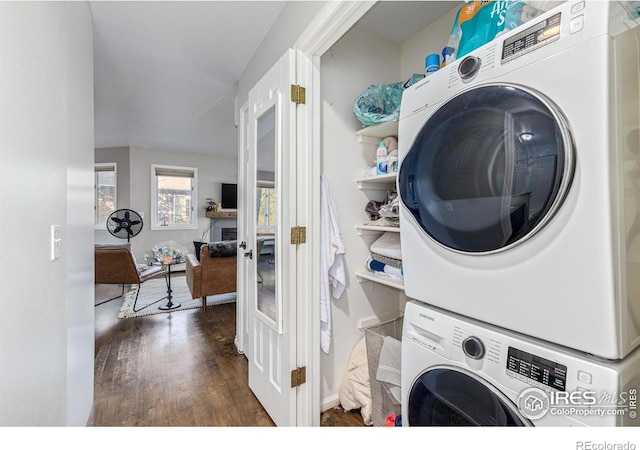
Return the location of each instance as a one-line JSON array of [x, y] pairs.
[[221, 214], [221, 222]]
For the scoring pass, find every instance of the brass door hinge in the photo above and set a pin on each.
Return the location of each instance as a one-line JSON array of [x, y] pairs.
[[298, 235], [298, 94], [298, 376]]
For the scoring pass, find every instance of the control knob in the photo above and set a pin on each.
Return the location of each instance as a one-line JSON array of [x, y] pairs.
[[469, 67], [473, 347]]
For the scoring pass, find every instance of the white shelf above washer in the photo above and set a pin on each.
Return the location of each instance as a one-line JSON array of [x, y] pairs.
[[372, 229], [394, 282], [381, 182], [373, 134]]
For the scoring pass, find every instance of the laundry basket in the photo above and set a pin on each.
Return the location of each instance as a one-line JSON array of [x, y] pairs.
[[382, 402]]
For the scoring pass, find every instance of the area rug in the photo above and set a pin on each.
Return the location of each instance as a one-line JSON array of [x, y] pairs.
[[153, 290]]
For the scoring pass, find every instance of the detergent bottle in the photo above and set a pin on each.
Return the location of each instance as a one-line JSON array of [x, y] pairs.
[[381, 159]]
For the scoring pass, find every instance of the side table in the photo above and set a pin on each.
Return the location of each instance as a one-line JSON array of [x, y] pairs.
[[170, 305]]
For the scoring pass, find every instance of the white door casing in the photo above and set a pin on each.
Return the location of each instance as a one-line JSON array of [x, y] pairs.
[[243, 282]]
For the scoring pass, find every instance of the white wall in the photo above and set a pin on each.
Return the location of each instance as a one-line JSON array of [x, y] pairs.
[[46, 178], [292, 21], [357, 60], [430, 40]]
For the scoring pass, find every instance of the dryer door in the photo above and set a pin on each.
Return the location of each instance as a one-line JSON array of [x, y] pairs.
[[488, 169], [446, 396]]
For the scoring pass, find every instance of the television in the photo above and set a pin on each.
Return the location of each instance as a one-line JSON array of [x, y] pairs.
[[229, 196]]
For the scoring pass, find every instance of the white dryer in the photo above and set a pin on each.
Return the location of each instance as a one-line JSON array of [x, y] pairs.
[[520, 182], [457, 371]]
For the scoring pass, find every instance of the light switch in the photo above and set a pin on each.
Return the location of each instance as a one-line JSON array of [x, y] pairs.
[[56, 242]]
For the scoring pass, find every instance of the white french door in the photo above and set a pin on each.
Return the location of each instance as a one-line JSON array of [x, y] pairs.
[[270, 215]]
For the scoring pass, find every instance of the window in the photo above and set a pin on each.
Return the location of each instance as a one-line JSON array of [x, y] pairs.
[[173, 196], [266, 206], [105, 195]]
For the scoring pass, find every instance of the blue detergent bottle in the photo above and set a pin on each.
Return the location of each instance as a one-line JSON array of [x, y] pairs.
[[432, 63], [381, 159]]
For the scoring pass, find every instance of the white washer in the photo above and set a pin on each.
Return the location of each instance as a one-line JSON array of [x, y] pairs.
[[459, 371], [520, 181]]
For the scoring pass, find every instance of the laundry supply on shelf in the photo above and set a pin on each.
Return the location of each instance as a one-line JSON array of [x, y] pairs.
[[386, 260], [414, 79], [387, 208], [447, 55], [381, 159], [392, 161], [383, 222], [388, 245], [377, 266], [391, 142], [432, 63], [480, 21]]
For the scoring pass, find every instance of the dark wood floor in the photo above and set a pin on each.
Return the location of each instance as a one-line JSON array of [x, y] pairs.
[[177, 369]]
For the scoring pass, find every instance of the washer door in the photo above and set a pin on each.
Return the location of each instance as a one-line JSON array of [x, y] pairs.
[[450, 397], [488, 169]]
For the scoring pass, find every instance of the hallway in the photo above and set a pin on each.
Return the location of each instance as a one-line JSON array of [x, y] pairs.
[[176, 369]]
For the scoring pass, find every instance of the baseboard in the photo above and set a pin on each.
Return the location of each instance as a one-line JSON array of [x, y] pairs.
[[330, 402]]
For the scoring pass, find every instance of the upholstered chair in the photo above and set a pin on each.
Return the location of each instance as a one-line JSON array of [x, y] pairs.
[[215, 273], [115, 264]]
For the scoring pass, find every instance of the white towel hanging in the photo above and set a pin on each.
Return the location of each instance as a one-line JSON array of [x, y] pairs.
[[332, 271]]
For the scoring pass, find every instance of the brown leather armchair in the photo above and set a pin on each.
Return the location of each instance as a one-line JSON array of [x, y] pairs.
[[115, 264], [212, 275]]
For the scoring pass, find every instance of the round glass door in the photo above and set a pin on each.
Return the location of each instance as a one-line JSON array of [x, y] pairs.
[[488, 169], [448, 397]]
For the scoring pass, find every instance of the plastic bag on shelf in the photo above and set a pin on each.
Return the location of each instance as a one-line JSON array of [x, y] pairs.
[[381, 102], [378, 103]]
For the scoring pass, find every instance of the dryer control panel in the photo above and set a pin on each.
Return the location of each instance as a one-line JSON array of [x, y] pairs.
[[535, 370], [542, 33]]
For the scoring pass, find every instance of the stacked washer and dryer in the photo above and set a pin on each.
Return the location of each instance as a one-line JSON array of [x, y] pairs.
[[520, 221]]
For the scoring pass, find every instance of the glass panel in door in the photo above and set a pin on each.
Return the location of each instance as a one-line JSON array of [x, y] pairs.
[[266, 208]]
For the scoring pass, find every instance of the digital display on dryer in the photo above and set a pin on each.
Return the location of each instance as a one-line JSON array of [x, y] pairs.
[[534, 37], [537, 371]]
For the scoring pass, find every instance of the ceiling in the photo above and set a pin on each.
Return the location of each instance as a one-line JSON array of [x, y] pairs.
[[166, 72], [397, 21]]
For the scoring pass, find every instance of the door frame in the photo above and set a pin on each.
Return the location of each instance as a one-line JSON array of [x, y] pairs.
[[329, 25], [242, 331]]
